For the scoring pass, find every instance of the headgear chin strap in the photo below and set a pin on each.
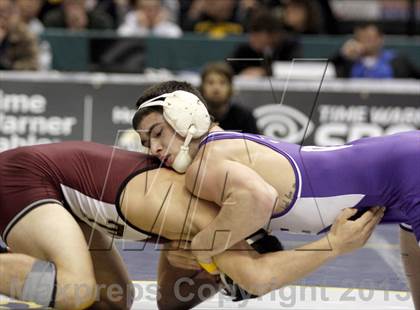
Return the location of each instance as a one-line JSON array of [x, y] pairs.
[[187, 115]]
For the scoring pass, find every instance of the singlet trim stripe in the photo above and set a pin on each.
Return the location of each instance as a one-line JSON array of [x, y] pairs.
[[220, 135], [406, 227], [24, 212], [121, 191]]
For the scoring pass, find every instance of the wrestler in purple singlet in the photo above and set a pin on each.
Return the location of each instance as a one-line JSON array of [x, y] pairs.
[[382, 171]]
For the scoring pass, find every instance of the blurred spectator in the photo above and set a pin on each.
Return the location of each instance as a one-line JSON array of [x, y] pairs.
[[245, 10], [216, 18], [149, 18], [116, 9], [364, 56], [18, 47], [267, 42], [217, 89], [191, 9], [330, 20], [74, 15], [28, 11], [48, 6], [172, 8], [303, 17]]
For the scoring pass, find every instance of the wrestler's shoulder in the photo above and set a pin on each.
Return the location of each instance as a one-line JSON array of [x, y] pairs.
[[217, 149]]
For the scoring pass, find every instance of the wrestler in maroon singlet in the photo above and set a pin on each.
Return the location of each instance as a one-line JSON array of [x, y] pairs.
[[86, 178]]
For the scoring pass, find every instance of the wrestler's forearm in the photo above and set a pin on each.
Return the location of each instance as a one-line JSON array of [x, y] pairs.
[[246, 203], [264, 273], [14, 269], [284, 268], [242, 214]]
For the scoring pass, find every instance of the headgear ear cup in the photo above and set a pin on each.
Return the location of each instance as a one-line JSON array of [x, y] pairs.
[[187, 115], [182, 110], [183, 159]]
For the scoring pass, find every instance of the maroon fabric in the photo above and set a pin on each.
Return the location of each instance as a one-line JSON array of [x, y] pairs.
[[33, 173]]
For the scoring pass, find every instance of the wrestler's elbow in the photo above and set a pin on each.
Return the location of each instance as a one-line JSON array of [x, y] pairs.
[[257, 285], [263, 199]]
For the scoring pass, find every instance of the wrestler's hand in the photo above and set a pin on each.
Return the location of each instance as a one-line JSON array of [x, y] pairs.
[[179, 255], [347, 235]]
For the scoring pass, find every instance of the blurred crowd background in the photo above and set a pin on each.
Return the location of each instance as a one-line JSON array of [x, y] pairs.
[[361, 38]]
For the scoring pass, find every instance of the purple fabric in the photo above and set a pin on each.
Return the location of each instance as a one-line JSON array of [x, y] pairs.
[[384, 169]]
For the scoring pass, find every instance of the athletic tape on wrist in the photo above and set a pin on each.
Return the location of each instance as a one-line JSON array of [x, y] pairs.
[[209, 267]]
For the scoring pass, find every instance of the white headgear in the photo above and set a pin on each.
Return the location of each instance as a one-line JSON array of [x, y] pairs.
[[187, 115]]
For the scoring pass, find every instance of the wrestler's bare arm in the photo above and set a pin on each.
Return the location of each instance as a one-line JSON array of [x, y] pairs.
[[256, 273], [246, 199], [260, 274]]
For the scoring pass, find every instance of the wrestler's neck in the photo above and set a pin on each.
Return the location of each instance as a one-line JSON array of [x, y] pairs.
[[195, 144]]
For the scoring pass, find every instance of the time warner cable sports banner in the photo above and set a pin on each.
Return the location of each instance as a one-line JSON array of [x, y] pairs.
[[50, 107]]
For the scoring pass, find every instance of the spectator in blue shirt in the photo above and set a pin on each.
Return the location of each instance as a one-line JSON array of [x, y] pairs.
[[364, 56]]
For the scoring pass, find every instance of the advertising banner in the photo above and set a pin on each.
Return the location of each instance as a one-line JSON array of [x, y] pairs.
[[38, 108]]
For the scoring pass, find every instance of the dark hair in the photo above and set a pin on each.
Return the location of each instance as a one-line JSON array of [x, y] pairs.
[[265, 21], [157, 90], [313, 23], [367, 24], [221, 68]]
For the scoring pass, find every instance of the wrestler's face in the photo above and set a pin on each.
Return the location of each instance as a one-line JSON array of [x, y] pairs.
[[159, 137]]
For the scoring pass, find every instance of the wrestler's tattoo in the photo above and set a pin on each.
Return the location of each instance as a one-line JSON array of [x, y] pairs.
[[287, 198]]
